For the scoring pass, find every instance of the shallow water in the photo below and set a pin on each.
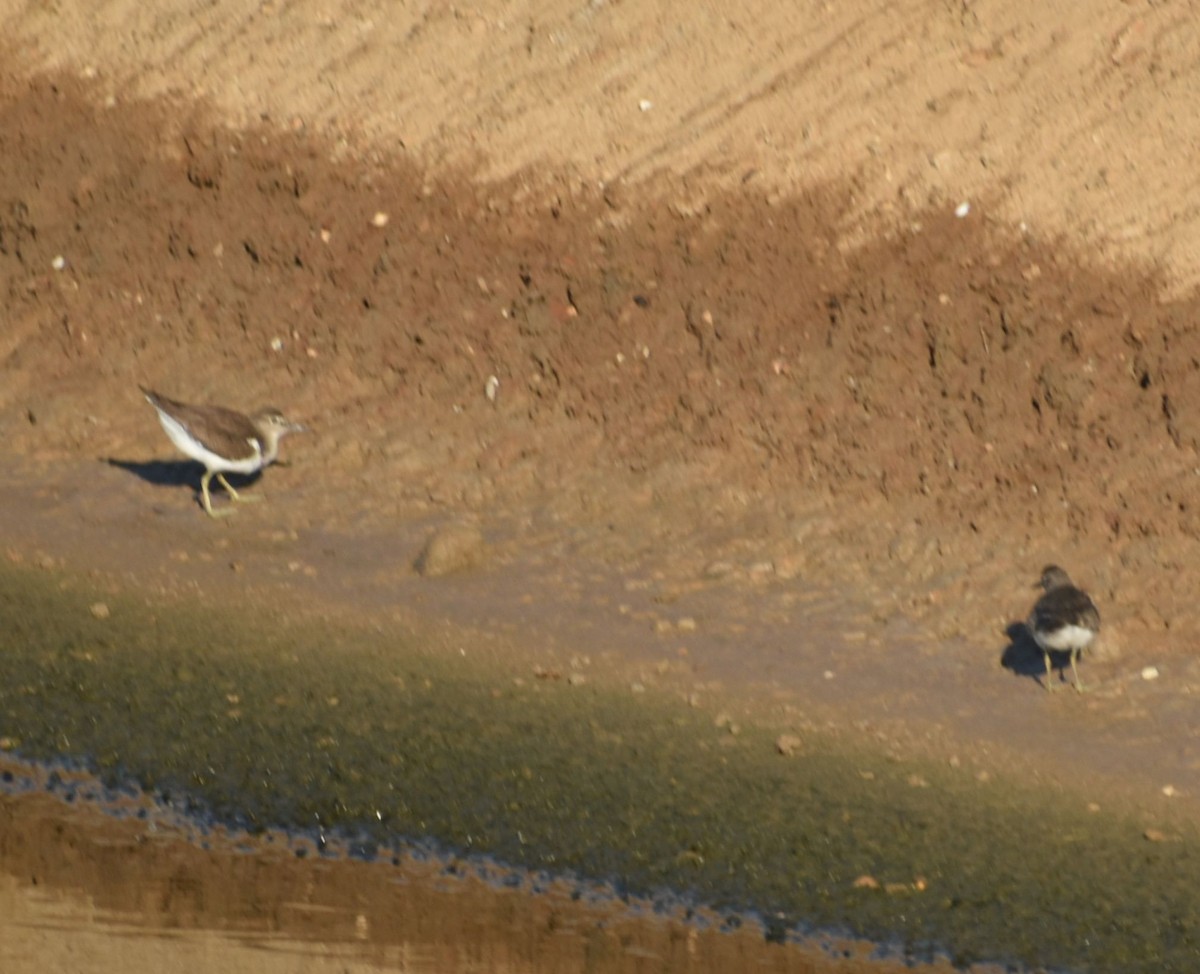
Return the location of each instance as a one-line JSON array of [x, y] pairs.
[[139, 888], [320, 732]]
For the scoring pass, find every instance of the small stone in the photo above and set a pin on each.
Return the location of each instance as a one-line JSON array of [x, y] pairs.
[[1154, 835], [1170, 791], [99, 610], [686, 624], [380, 219], [454, 548], [866, 882], [787, 744], [59, 262], [576, 679], [719, 569], [1150, 673]]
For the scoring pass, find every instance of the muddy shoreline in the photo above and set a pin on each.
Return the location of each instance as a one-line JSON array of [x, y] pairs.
[[234, 902], [313, 729], [772, 414]]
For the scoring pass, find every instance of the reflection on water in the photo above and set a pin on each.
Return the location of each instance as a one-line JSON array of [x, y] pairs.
[[81, 890]]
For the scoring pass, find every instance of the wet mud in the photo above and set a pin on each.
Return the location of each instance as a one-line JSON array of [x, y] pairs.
[[327, 734]]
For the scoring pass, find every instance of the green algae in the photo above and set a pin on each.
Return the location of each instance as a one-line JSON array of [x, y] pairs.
[[264, 723]]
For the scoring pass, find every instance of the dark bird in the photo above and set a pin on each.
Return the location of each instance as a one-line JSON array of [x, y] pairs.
[[223, 440], [1063, 620]]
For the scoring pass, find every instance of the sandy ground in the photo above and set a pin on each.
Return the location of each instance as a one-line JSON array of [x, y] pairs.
[[754, 364]]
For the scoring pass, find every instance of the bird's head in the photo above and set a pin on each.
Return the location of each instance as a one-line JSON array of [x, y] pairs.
[[274, 426], [1052, 577]]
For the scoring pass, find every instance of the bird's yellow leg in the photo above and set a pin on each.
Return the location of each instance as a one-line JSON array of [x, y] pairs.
[[1049, 683], [234, 494], [207, 498], [1079, 687]]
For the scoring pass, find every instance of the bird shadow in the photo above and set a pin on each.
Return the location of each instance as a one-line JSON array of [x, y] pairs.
[[178, 473], [1023, 656]]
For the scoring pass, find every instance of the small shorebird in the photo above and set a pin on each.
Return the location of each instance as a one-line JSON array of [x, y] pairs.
[[1063, 620], [223, 440]]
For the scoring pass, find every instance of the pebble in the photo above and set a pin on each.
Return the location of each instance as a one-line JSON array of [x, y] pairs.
[[787, 744], [454, 548], [100, 610], [1150, 673], [380, 219]]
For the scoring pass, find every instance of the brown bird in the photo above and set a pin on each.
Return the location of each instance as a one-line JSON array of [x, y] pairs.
[[1064, 620], [223, 440]]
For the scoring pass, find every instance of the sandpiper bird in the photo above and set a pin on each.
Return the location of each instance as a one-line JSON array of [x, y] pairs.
[[1063, 620], [223, 440]]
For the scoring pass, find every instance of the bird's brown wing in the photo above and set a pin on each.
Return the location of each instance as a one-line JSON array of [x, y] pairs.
[[223, 431], [1065, 607]]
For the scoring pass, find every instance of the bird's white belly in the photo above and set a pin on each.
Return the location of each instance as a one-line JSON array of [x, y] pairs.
[[1068, 637], [191, 447]]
